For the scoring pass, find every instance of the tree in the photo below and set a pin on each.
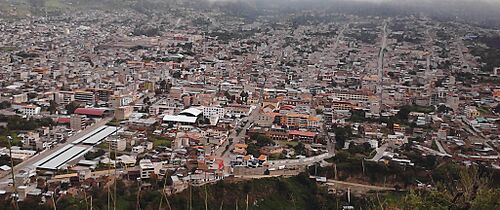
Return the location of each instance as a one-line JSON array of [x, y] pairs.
[[443, 109], [5, 105], [262, 140], [146, 100], [497, 109], [52, 107], [342, 134], [403, 113], [177, 75], [244, 96], [300, 149], [71, 107]]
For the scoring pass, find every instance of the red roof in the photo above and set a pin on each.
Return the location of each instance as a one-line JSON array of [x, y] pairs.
[[63, 120], [302, 133], [286, 107], [89, 111]]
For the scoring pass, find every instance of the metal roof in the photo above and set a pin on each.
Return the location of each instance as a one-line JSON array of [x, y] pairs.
[[88, 135], [97, 137], [47, 158], [90, 111], [64, 157], [191, 111], [179, 118]]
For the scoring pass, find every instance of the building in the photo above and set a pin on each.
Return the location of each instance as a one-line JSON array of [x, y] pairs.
[[303, 136], [118, 144], [123, 113], [30, 110], [147, 168], [295, 120], [187, 117], [90, 112], [119, 101], [472, 112], [20, 98], [351, 96], [85, 97], [76, 122], [64, 97], [209, 112]]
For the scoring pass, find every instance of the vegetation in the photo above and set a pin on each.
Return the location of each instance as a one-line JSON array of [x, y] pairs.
[[456, 188], [4, 105], [71, 107], [5, 160], [18, 123], [342, 134], [160, 141], [256, 142], [489, 54], [93, 155]]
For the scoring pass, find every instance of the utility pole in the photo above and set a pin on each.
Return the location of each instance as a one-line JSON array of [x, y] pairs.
[[16, 205], [114, 149]]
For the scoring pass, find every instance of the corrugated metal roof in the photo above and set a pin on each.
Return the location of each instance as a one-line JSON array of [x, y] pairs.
[[64, 157], [47, 158], [179, 118], [88, 135], [192, 111], [89, 111], [96, 138]]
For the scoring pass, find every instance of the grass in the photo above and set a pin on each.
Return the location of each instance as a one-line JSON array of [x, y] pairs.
[[285, 143], [104, 146], [15, 140], [160, 141], [7, 49], [484, 110]]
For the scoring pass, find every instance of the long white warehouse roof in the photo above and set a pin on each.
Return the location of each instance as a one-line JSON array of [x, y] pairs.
[[96, 138], [179, 118], [88, 135], [47, 158]]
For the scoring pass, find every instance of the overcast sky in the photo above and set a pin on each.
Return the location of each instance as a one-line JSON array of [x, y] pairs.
[[378, 1]]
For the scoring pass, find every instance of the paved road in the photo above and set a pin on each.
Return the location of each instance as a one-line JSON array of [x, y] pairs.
[[240, 138], [339, 37], [28, 164], [380, 152], [440, 147], [361, 186], [380, 63], [460, 47], [237, 138]]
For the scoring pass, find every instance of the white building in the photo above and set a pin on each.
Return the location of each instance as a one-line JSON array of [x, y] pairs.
[[138, 149], [118, 144], [209, 112], [30, 110], [147, 168]]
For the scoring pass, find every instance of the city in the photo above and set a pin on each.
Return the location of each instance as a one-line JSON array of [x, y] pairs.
[[136, 106]]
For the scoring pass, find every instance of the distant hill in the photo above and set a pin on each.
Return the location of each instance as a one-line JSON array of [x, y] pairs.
[[481, 12]]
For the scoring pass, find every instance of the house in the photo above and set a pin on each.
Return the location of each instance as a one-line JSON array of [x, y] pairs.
[[240, 149], [138, 149], [303, 136]]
